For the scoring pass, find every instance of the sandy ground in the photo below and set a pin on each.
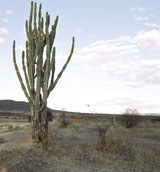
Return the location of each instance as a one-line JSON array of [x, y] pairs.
[[78, 148]]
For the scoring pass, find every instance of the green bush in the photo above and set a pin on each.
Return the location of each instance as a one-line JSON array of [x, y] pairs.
[[50, 116]]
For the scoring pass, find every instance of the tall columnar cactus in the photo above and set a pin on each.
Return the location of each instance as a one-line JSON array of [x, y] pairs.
[[38, 62]]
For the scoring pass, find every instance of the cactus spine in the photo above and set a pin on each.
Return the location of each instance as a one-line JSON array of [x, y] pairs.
[[39, 68]]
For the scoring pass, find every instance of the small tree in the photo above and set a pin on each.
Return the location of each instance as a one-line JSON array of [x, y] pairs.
[[38, 62]]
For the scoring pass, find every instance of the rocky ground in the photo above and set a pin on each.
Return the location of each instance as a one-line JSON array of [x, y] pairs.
[[80, 147]]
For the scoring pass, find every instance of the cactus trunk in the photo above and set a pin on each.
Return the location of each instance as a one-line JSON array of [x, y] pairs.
[[39, 68]]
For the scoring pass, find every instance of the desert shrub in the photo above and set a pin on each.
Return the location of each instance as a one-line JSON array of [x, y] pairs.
[[102, 130], [155, 120], [50, 115], [2, 140], [10, 127], [130, 118], [64, 122]]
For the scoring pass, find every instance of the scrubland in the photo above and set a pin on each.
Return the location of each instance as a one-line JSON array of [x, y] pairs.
[[81, 144]]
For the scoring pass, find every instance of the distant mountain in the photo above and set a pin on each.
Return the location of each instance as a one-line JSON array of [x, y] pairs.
[[11, 105]]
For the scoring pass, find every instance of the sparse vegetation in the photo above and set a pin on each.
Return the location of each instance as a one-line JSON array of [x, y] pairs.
[[81, 149]]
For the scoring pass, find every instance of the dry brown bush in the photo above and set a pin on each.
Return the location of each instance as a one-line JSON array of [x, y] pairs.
[[102, 130], [64, 121], [131, 118], [2, 140]]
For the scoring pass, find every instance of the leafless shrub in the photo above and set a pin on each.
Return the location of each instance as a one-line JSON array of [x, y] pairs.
[[102, 130], [53, 140], [2, 140], [130, 118], [63, 120]]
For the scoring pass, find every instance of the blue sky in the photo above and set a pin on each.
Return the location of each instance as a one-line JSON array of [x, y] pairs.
[[116, 63]]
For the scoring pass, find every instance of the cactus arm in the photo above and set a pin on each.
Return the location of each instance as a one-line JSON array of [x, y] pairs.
[[52, 86], [53, 31], [19, 75], [31, 47], [26, 77], [52, 66], [30, 17], [47, 62], [27, 30], [35, 18]]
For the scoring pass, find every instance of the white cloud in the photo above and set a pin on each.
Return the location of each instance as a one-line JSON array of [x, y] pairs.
[[79, 30], [134, 73], [20, 48], [8, 11], [133, 9], [149, 39], [154, 25], [139, 9], [124, 46], [2, 40], [105, 50], [5, 20], [141, 18], [124, 58], [3, 31]]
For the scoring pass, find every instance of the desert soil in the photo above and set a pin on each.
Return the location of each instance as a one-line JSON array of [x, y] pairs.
[[78, 148]]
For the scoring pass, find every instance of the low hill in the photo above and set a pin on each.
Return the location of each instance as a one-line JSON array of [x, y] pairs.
[[11, 105]]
